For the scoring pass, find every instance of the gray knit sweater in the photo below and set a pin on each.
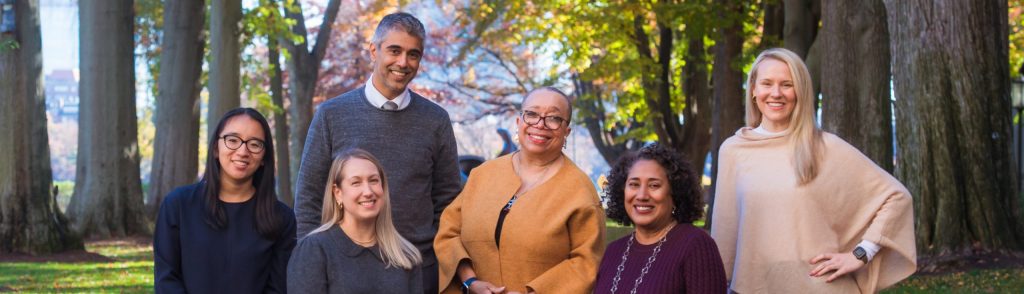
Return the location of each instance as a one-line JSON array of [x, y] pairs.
[[416, 146]]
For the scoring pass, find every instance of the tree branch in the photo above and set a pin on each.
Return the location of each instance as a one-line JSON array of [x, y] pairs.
[[503, 64], [323, 37]]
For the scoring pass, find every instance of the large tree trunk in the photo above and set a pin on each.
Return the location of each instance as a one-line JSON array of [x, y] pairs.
[[176, 146], [801, 26], [224, 83], [801, 36], [284, 175], [696, 138], [108, 194], [953, 123], [855, 85], [728, 95], [303, 70], [774, 23], [30, 221]]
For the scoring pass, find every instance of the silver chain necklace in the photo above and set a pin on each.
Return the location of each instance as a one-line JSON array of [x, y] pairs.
[[647, 267]]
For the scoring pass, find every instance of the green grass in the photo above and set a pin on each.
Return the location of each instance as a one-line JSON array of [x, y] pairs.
[[973, 281], [131, 271]]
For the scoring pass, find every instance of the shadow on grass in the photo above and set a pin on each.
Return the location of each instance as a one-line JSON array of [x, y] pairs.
[[126, 266]]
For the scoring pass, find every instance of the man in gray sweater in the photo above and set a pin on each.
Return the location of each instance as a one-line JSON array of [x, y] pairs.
[[411, 136]]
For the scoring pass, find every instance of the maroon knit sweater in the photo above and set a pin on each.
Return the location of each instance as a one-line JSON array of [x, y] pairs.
[[687, 263]]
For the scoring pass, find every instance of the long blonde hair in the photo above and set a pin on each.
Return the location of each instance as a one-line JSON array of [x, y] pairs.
[[803, 130], [395, 250]]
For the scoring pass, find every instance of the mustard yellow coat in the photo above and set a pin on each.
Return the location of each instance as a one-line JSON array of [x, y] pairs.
[[551, 241]]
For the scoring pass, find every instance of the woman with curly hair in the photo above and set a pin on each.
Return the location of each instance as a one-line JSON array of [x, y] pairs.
[[657, 191]]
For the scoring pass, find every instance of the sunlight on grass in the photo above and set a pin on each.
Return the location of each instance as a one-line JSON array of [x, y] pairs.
[[130, 272]]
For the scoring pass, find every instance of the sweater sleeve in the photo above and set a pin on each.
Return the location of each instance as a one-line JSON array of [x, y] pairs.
[[880, 207], [312, 176], [282, 252], [725, 214], [448, 243], [702, 266], [446, 180], [307, 270], [167, 248], [576, 273]]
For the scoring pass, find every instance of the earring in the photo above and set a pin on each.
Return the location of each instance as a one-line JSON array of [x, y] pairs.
[[515, 136], [673, 211]]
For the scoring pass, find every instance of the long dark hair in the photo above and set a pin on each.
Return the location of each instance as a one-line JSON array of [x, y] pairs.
[[268, 223]]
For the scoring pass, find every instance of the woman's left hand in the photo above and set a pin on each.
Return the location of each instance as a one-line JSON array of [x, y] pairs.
[[841, 263]]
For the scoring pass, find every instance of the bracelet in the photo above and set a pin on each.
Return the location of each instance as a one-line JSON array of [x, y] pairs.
[[465, 285]]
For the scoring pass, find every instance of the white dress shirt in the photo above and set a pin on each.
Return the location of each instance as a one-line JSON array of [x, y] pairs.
[[377, 99]]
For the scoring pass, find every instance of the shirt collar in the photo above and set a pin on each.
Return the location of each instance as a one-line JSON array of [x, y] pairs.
[[377, 99], [350, 248]]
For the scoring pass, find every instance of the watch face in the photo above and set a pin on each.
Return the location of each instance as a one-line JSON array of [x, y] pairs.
[[859, 253]]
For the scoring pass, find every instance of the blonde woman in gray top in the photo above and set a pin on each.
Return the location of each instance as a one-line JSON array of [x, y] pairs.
[[356, 249]]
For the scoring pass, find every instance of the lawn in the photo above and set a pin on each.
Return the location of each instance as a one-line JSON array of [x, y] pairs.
[[126, 266], [119, 266]]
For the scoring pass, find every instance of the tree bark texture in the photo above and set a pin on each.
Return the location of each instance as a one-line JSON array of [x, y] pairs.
[[108, 195], [224, 84], [284, 175], [953, 123], [696, 138], [303, 70], [774, 23], [30, 221], [176, 146], [855, 85], [801, 25], [727, 93]]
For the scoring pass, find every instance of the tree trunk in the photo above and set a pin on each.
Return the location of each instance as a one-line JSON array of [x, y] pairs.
[[30, 221], [176, 146], [284, 175], [801, 25], [108, 194], [225, 79], [953, 123], [303, 70], [855, 85], [774, 23], [727, 79], [696, 138]]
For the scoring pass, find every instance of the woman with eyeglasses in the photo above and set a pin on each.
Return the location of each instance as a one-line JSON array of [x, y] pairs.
[[528, 222], [227, 233]]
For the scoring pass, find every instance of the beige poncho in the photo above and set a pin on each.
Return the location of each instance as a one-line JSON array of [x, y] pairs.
[[768, 227]]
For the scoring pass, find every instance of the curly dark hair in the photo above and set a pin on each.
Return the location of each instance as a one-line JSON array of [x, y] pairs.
[[682, 179]]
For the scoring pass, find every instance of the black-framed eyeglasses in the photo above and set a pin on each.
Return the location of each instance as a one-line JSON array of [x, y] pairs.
[[552, 122], [234, 142]]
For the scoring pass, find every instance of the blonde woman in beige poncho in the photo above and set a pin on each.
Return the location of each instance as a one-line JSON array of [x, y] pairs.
[[799, 210]]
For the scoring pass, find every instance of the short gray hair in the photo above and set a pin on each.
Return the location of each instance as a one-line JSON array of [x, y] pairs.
[[568, 100], [399, 21]]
